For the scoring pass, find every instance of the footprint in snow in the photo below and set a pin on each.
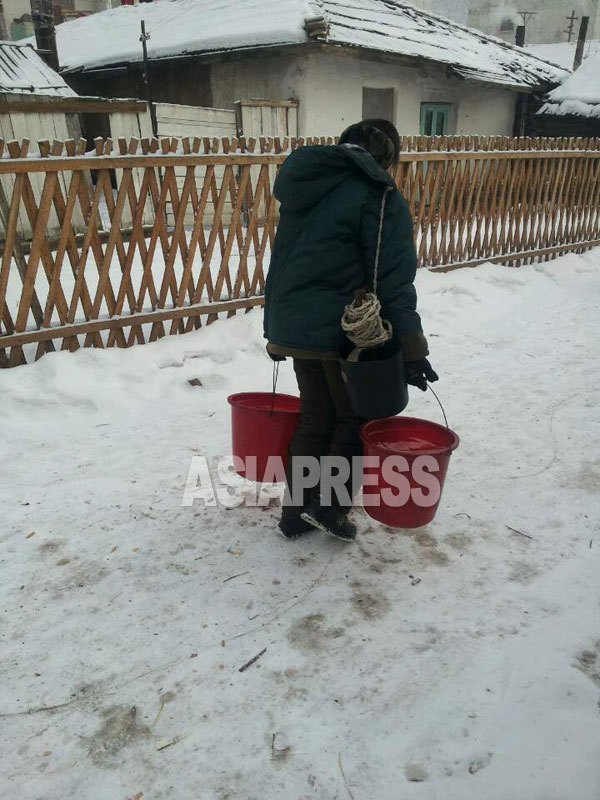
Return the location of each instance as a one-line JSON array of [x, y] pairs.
[[588, 662], [480, 763]]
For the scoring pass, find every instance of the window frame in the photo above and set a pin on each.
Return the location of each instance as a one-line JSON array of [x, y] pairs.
[[445, 109]]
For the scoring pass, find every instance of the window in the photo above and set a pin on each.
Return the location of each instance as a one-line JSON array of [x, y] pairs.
[[507, 24], [435, 119], [378, 103]]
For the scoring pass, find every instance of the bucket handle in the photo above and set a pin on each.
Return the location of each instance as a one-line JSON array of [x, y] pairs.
[[275, 377], [429, 386]]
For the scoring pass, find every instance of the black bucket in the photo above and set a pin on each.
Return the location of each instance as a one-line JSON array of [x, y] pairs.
[[375, 384]]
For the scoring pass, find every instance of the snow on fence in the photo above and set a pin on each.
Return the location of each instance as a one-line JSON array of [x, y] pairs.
[[119, 281]]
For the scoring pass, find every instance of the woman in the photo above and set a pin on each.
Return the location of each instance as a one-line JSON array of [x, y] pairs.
[[324, 250]]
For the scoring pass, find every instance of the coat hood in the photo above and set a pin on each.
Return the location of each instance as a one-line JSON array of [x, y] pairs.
[[311, 173]]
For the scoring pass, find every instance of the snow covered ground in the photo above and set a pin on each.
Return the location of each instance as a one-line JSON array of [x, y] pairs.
[[456, 662]]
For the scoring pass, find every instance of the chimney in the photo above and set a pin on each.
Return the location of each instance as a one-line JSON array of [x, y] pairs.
[[42, 14], [520, 35], [316, 28], [583, 27]]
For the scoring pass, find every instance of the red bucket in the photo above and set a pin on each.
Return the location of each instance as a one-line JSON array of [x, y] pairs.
[[262, 426], [404, 490]]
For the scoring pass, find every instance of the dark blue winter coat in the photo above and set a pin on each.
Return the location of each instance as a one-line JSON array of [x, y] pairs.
[[325, 249]]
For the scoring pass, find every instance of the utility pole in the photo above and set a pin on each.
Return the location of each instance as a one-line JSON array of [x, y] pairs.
[[569, 29], [42, 15], [583, 28], [146, 76], [526, 16], [523, 98]]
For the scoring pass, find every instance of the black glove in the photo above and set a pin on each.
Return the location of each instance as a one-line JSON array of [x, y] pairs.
[[417, 373], [276, 358]]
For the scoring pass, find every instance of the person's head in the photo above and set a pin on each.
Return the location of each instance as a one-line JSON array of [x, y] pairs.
[[378, 136]]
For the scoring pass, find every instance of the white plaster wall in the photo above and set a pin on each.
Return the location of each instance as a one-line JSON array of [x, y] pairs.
[[483, 110], [333, 97], [276, 78], [329, 89]]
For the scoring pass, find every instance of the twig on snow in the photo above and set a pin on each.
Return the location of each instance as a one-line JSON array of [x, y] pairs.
[[169, 744], [521, 533], [206, 555], [36, 710], [351, 796], [252, 660], [231, 577], [163, 702]]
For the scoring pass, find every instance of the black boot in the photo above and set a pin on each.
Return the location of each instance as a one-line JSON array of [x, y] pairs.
[[330, 519], [291, 525]]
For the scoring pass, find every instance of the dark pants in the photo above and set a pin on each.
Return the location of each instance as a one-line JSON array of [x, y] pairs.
[[328, 426]]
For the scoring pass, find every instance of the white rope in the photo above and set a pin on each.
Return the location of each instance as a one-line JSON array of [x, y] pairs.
[[361, 320], [363, 325], [379, 236]]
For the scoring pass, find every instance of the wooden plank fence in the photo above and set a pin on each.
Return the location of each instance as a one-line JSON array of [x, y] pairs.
[[119, 282]]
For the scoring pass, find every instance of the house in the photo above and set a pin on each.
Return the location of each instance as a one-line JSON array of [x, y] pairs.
[[16, 21], [34, 99], [573, 108], [545, 20], [340, 60], [38, 105]]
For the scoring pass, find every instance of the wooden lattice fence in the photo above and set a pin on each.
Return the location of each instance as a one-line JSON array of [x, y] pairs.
[[100, 275]]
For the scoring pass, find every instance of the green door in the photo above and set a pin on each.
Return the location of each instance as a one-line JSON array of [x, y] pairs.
[[435, 119]]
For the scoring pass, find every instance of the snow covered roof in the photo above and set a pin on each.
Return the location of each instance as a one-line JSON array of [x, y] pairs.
[[396, 27], [562, 53], [185, 27], [580, 92], [22, 71]]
